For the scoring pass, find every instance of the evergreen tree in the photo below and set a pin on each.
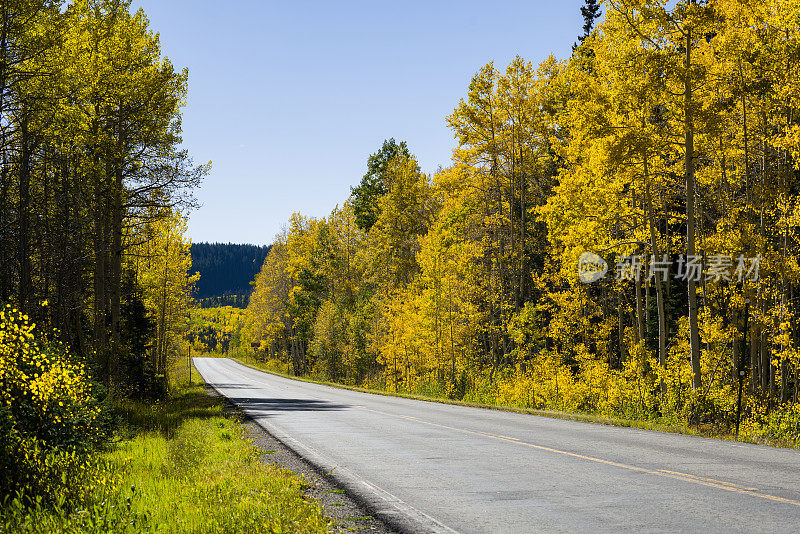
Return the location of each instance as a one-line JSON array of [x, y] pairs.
[[375, 183]]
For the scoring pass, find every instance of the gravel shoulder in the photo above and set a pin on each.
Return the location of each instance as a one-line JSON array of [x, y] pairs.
[[347, 513]]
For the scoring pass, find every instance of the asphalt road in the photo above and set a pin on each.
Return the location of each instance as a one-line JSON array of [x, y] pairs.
[[429, 467]]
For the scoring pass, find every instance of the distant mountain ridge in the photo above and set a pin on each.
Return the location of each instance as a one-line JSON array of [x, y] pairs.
[[226, 268]]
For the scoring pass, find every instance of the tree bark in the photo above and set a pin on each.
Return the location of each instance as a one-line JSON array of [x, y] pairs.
[[694, 333], [660, 305], [24, 214]]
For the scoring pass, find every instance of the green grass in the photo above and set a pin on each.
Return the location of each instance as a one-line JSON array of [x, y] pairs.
[[183, 466], [194, 471]]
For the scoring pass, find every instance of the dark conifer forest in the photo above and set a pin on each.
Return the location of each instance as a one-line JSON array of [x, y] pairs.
[[226, 268]]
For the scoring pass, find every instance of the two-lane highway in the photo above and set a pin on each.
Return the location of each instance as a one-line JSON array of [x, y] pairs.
[[434, 467]]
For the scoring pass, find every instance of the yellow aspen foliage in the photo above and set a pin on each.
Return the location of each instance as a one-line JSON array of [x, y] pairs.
[[48, 416], [666, 149]]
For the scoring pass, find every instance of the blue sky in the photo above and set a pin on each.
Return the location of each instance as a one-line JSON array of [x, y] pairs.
[[288, 99]]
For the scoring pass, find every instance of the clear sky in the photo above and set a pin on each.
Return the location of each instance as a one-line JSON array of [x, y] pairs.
[[288, 99]]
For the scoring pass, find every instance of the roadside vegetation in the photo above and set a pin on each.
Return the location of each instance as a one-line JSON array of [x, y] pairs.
[[176, 465], [666, 145]]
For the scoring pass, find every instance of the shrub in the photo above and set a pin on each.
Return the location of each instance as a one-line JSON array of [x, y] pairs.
[[49, 420], [779, 425]]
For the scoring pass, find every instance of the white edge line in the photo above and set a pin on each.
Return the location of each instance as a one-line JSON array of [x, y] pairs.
[[384, 505]]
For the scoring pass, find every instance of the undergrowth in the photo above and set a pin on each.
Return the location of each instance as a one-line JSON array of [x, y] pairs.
[[181, 465]]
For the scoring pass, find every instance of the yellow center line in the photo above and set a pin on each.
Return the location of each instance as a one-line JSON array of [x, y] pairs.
[[694, 479], [712, 480]]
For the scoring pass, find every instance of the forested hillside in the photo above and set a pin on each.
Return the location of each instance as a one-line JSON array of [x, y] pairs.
[[225, 268], [665, 150]]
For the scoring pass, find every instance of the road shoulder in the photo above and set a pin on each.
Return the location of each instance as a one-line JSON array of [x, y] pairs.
[[348, 513]]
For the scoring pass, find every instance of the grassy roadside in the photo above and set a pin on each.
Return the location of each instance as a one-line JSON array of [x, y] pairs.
[[569, 416], [182, 465]]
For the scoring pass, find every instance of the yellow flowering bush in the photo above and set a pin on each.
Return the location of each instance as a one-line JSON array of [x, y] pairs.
[[48, 417], [781, 424]]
